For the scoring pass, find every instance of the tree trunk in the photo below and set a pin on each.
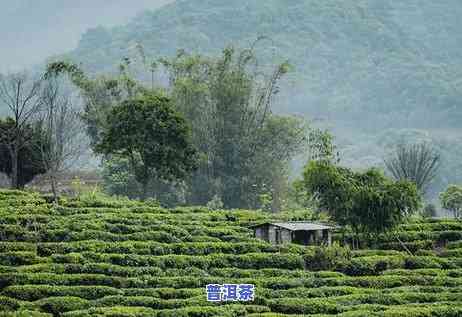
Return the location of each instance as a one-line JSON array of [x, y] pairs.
[[276, 204], [14, 168], [53, 187], [144, 186]]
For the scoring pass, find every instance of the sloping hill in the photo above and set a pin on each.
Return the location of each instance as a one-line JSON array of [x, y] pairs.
[[392, 60], [96, 257], [369, 70]]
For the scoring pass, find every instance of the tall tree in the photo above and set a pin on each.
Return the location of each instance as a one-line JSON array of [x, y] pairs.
[[451, 199], [29, 159], [367, 201], [321, 146], [21, 95], [62, 128], [243, 145], [418, 163], [99, 94], [152, 136]]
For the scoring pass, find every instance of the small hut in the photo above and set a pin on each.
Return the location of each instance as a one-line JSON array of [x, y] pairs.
[[299, 232]]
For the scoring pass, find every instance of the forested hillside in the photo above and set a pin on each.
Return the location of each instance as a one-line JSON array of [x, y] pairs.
[[372, 71]]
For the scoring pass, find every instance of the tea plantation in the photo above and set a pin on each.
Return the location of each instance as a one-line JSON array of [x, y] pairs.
[[125, 258]]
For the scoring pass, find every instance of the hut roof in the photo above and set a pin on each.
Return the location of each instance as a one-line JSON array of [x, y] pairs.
[[298, 225]]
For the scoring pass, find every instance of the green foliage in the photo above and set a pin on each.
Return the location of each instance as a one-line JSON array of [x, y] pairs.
[[120, 180], [321, 147], [8, 304], [36, 292], [227, 102], [152, 136], [429, 211], [366, 201], [333, 185], [205, 28], [242, 144], [329, 258], [24, 313], [61, 304], [116, 257], [316, 30], [215, 203], [100, 95], [451, 199], [30, 163]]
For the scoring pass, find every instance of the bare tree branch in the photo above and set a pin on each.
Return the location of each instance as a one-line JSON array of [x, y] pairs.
[[21, 95], [418, 163], [63, 129]]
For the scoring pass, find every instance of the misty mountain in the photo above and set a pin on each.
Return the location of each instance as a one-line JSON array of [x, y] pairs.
[[32, 30], [350, 56], [372, 71]]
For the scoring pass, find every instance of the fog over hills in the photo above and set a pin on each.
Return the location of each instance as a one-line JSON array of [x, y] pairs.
[[349, 56], [32, 30], [372, 71]]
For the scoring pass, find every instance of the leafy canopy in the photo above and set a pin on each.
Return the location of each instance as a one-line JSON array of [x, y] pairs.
[[244, 147], [366, 201], [451, 199], [30, 163], [152, 135]]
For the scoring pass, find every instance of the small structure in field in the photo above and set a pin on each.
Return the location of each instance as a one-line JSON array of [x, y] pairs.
[[299, 232]]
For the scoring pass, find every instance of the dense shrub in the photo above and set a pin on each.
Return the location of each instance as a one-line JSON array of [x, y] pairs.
[[7, 303], [58, 305], [304, 306], [20, 258], [329, 258], [372, 265], [24, 313], [450, 235], [36, 292]]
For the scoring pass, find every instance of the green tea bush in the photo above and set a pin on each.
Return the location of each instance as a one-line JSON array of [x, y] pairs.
[[58, 305], [135, 260], [7, 303], [111, 270], [137, 301], [327, 258], [372, 265], [20, 258], [456, 253], [434, 310], [450, 235], [224, 311], [412, 246], [304, 306], [24, 313], [8, 279], [454, 244], [165, 293], [16, 246], [116, 311], [36, 292], [420, 262]]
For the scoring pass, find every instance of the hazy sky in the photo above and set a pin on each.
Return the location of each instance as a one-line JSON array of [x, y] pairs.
[[31, 30]]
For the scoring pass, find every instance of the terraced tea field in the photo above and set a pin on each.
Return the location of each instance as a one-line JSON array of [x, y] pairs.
[[122, 258]]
